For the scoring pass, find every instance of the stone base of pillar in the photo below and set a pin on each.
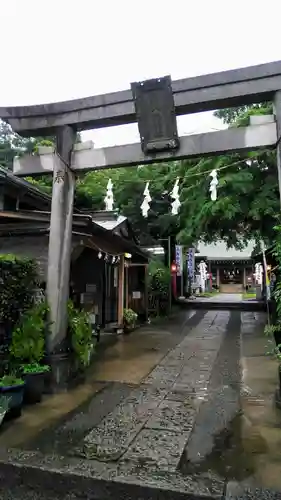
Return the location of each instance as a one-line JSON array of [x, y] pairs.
[[64, 373]]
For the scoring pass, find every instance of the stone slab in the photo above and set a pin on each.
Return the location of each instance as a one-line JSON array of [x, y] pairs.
[[189, 372], [194, 399], [199, 386], [204, 344], [215, 416], [172, 416], [160, 449], [163, 376], [173, 360], [111, 438]]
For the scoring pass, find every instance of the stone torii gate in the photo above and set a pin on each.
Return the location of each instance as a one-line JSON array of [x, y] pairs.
[[154, 104]]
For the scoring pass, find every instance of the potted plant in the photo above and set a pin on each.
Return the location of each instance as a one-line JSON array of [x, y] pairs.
[[129, 318], [12, 387], [27, 350], [4, 407]]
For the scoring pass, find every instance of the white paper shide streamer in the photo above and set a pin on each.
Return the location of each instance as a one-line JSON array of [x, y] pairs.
[[145, 206], [213, 185], [109, 199], [176, 197]]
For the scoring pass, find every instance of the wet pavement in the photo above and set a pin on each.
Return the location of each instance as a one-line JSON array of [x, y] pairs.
[[224, 301], [179, 410], [223, 297]]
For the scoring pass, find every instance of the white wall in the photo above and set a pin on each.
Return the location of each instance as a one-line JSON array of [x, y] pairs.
[[219, 250]]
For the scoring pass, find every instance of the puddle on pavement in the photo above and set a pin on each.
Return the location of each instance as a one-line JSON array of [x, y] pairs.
[[234, 452]]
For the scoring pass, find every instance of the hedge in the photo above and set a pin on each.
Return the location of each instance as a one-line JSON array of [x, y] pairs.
[[18, 281]]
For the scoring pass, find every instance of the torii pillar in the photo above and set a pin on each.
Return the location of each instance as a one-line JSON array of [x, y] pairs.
[[60, 236]]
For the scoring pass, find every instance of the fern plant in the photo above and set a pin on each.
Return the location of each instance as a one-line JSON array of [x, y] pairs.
[[28, 338], [81, 334]]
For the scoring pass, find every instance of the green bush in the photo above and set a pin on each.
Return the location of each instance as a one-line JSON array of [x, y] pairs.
[[130, 317], [10, 380], [81, 334], [18, 281], [159, 277], [28, 338]]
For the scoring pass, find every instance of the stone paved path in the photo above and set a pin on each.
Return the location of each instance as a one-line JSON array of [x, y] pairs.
[[225, 297], [154, 423], [152, 438]]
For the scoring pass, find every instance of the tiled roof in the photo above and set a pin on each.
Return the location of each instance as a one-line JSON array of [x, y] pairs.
[[110, 224]]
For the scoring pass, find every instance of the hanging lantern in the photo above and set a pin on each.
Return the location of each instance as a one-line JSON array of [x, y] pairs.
[[176, 197], [145, 206], [109, 199], [213, 185], [173, 268]]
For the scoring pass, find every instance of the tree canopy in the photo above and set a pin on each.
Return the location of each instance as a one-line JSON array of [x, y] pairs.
[[248, 197]]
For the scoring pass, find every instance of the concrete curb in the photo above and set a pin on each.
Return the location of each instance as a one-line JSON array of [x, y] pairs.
[[230, 306], [56, 484]]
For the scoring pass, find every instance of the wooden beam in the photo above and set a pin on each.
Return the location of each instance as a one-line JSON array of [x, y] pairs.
[[146, 277], [211, 143], [126, 287], [133, 264], [191, 95], [121, 280]]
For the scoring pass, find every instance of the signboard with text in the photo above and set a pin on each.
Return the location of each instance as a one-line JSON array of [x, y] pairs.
[[178, 259], [190, 262]]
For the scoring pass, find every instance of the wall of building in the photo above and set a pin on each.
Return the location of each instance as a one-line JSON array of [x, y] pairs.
[[96, 283], [219, 250], [35, 247]]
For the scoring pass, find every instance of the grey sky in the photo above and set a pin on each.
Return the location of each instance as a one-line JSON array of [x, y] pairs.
[[64, 49]]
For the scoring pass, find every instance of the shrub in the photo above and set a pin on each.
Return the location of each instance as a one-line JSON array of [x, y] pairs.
[[81, 334], [18, 281], [159, 277], [130, 317], [28, 338]]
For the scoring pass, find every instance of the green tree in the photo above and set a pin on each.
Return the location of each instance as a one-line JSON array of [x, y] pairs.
[[129, 184], [11, 145], [248, 196], [240, 116]]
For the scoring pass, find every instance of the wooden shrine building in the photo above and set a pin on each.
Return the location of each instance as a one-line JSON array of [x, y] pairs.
[[231, 269], [108, 268]]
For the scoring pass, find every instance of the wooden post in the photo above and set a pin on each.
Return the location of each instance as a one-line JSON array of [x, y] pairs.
[[146, 290], [244, 277], [127, 287], [121, 279], [277, 111], [2, 197], [60, 236]]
